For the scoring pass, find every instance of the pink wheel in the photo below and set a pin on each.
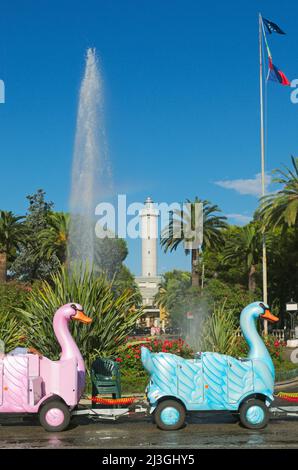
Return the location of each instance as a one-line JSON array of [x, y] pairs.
[[54, 416]]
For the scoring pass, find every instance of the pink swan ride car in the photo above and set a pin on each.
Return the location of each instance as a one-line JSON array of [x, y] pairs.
[[30, 383]]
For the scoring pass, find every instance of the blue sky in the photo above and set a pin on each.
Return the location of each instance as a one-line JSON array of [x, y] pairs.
[[181, 99]]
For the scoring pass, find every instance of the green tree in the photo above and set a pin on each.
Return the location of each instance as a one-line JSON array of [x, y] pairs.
[[174, 234], [172, 289], [178, 296], [125, 280], [30, 263], [109, 255], [281, 208], [215, 268], [12, 232], [236, 296], [283, 268], [245, 247], [278, 214], [54, 237]]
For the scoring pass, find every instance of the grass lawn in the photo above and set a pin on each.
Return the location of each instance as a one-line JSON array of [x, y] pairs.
[[133, 384], [285, 371]]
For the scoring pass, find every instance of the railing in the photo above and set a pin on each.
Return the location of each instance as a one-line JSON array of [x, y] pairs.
[[278, 334]]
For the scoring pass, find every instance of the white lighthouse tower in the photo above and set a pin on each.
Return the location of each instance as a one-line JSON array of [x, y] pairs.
[[149, 234], [149, 281]]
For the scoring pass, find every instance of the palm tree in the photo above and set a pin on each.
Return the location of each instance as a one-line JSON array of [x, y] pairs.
[[281, 208], [53, 239], [12, 232], [172, 287], [177, 232], [245, 247]]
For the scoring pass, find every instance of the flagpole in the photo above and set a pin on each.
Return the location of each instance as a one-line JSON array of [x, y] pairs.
[[264, 254]]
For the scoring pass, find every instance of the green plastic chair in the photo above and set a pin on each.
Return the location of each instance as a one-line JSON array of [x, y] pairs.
[[105, 377]]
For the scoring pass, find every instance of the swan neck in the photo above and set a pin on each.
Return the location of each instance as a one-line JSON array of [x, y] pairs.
[[69, 349], [257, 348]]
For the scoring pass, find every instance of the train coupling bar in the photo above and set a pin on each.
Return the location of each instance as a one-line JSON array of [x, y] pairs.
[[108, 413]]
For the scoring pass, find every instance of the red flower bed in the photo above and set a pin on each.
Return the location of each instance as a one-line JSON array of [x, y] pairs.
[[275, 348], [129, 357]]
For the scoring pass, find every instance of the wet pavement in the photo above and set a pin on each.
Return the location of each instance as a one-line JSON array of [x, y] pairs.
[[203, 430], [215, 430]]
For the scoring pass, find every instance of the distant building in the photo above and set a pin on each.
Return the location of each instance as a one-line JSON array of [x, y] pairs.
[[149, 281]]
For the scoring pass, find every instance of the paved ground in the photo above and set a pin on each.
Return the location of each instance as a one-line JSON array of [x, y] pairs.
[[202, 431]]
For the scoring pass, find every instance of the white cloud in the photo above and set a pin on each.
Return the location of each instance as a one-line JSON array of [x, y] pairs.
[[250, 186], [240, 219]]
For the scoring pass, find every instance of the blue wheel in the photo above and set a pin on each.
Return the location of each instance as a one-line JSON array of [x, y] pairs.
[[169, 415], [254, 414]]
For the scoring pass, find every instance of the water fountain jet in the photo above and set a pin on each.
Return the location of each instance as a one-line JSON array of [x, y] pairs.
[[90, 168]]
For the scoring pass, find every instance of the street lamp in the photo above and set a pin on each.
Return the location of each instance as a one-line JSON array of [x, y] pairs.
[[292, 309]]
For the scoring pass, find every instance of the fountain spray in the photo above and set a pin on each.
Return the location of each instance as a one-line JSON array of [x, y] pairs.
[[90, 168]]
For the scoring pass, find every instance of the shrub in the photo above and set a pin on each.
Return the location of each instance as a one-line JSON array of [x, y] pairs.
[[240, 348], [113, 317], [12, 295], [219, 330], [129, 356], [274, 346], [12, 331]]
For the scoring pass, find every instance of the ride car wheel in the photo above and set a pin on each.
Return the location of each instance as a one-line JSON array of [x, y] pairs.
[[169, 415], [54, 416]]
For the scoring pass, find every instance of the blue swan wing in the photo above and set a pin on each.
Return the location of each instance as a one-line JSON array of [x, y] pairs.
[[174, 375], [216, 379], [228, 379], [164, 372], [190, 381], [240, 379], [263, 378]]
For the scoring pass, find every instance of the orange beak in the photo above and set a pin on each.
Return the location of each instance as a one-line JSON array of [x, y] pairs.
[[269, 316], [80, 316]]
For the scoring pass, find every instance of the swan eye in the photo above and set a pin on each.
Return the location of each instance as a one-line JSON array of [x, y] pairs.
[[262, 306], [74, 307]]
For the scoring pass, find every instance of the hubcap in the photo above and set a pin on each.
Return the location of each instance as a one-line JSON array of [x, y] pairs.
[[170, 416], [54, 417], [255, 414]]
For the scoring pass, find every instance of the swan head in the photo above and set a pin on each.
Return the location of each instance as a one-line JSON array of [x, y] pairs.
[[258, 310], [74, 311]]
